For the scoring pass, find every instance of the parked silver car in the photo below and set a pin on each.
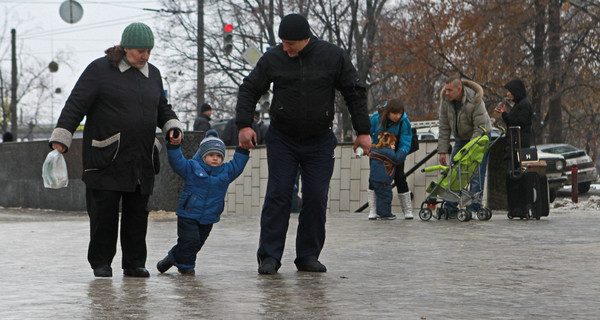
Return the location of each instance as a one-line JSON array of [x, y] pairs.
[[555, 171], [586, 170]]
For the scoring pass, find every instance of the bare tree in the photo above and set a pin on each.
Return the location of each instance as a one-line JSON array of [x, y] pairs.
[[537, 86], [405, 49], [353, 25], [554, 63], [553, 47], [34, 84]]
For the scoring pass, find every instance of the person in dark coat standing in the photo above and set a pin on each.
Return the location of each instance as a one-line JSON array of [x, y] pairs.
[[121, 96], [230, 133], [305, 73], [7, 137], [202, 122], [521, 114]]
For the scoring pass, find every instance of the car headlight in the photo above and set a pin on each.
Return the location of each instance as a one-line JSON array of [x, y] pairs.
[[559, 165]]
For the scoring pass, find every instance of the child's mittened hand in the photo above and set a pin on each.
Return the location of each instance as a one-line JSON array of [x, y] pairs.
[[174, 137], [176, 133]]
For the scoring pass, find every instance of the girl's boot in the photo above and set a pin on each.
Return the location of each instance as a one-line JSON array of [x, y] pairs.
[[372, 205], [406, 204]]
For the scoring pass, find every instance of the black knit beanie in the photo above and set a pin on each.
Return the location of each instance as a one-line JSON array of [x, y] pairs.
[[205, 107], [294, 27]]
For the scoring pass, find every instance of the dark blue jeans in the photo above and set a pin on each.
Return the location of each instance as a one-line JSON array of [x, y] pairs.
[[316, 160], [383, 198], [191, 236]]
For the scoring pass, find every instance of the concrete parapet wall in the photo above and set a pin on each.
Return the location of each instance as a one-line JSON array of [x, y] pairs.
[[22, 185]]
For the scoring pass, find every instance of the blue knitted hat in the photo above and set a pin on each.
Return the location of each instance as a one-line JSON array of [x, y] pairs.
[[211, 143]]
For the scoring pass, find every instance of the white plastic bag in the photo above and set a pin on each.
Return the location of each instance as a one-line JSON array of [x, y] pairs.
[[54, 171]]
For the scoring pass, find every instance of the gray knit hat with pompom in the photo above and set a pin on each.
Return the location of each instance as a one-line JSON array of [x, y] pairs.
[[211, 143]]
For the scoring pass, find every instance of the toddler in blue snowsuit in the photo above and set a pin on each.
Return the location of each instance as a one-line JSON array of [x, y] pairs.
[[202, 199], [383, 167]]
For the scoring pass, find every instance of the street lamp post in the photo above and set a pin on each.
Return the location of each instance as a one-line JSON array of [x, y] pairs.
[[200, 52], [200, 71], [13, 86]]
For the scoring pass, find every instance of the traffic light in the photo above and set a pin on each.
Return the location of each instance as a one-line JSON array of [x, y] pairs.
[[227, 39]]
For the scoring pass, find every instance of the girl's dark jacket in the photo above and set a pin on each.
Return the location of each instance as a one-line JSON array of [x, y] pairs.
[[521, 113], [122, 107], [304, 90]]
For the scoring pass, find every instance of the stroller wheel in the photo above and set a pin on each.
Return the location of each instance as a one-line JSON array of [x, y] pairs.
[[484, 214], [463, 215], [489, 213], [425, 214]]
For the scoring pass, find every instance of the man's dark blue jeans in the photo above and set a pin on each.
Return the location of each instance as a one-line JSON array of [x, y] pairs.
[[477, 181], [316, 161]]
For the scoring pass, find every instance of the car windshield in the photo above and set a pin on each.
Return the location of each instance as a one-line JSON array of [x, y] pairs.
[[560, 149]]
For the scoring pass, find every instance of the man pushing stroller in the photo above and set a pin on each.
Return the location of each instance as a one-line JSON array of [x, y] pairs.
[[462, 113]]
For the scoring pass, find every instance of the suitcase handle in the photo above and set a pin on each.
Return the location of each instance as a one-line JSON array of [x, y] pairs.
[[512, 131]]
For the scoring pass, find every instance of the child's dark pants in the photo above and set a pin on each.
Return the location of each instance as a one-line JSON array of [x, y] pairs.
[[191, 237]]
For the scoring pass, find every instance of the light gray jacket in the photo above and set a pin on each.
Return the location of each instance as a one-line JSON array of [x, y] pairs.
[[465, 125]]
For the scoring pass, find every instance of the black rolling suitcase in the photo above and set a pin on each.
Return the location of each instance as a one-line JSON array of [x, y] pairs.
[[527, 195], [527, 191]]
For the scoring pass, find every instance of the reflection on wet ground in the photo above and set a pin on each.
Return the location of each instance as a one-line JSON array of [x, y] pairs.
[[499, 269]]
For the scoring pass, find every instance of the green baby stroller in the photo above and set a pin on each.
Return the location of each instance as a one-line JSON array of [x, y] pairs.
[[454, 182]]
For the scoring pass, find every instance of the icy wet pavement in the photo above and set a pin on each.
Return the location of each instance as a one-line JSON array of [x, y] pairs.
[[499, 269]]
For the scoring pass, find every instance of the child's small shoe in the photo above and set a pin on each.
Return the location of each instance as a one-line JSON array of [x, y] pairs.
[[187, 272], [164, 265], [390, 217]]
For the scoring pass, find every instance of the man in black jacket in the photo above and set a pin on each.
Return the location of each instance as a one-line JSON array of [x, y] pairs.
[[202, 122], [122, 97], [305, 73]]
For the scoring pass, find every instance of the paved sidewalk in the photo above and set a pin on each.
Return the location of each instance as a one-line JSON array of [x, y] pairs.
[[499, 269]]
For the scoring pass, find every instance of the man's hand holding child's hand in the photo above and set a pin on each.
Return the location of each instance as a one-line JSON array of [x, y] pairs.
[[175, 137]]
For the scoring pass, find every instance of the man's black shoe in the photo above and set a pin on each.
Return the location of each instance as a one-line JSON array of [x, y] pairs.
[[311, 265], [139, 272], [104, 271], [164, 265], [268, 266]]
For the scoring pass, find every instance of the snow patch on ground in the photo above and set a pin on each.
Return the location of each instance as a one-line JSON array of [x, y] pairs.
[[592, 203]]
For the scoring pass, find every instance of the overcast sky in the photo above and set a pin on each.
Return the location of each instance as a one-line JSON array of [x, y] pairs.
[[42, 33]]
